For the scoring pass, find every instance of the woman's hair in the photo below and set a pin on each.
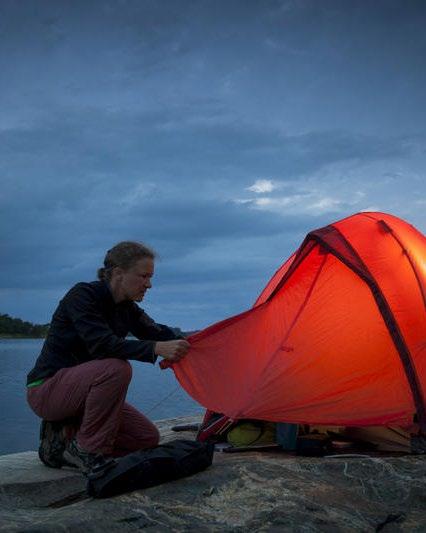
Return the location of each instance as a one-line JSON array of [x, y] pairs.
[[125, 254]]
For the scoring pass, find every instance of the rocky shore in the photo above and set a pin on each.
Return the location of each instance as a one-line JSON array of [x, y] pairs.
[[255, 491]]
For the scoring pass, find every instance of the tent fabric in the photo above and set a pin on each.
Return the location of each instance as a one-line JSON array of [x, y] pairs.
[[337, 337]]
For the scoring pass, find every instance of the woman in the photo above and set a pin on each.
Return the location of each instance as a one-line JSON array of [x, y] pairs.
[[83, 371]]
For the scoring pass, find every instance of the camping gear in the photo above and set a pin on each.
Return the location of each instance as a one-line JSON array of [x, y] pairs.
[[146, 468], [418, 444], [186, 427], [313, 445], [384, 439], [337, 337], [214, 427], [286, 435], [251, 433]]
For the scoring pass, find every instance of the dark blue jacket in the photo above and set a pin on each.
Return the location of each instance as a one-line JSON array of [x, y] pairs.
[[88, 324]]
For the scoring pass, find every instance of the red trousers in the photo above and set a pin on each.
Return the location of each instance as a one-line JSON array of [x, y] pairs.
[[94, 393]]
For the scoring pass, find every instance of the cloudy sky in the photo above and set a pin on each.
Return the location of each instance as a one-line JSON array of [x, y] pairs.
[[219, 132]]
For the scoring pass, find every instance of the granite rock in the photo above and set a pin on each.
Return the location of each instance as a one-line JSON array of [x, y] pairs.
[[257, 491]]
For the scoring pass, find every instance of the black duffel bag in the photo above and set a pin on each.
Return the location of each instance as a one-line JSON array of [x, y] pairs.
[[146, 468]]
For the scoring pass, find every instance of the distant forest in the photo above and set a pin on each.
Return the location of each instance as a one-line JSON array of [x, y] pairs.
[[15, 327]]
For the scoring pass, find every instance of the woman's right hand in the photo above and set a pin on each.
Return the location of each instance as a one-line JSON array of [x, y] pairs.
[[172, 350]]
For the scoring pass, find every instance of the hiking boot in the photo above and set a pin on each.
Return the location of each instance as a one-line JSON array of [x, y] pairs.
[[52, 443], [80, 458]]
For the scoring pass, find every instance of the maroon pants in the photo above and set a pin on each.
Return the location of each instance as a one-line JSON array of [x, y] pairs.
[[94, 394]]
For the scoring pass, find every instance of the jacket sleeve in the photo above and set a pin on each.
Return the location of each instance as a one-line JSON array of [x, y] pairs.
[[84, 312], [144, 327]]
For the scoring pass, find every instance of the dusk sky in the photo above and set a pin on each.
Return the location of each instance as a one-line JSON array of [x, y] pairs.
[[218, 132]]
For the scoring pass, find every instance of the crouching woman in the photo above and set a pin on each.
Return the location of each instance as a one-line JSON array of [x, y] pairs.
[[82, 373]]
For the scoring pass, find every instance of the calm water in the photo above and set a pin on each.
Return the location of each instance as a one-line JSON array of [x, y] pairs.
[[20, 426]]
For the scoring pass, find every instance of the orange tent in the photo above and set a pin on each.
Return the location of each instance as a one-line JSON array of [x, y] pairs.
[[338, 335]]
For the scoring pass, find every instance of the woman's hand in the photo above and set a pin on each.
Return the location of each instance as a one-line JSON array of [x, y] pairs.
[[172, 350]]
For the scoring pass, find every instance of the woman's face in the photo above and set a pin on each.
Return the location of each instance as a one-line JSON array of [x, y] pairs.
[[133, 283]]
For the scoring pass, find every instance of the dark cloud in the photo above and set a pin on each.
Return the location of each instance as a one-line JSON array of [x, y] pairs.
[[151, 120], [71, 149]]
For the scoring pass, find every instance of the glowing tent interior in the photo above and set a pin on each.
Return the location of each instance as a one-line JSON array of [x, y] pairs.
[[337, 337]]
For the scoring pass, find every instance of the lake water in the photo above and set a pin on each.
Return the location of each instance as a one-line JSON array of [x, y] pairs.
[[149, 392]]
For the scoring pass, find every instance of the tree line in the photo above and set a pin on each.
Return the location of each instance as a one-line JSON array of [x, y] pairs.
[[15, 327]]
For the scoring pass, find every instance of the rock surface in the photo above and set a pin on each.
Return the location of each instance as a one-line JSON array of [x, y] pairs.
[[256, 491]]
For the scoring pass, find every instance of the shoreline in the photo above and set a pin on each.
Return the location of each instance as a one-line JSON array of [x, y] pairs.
[[4, 336]]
